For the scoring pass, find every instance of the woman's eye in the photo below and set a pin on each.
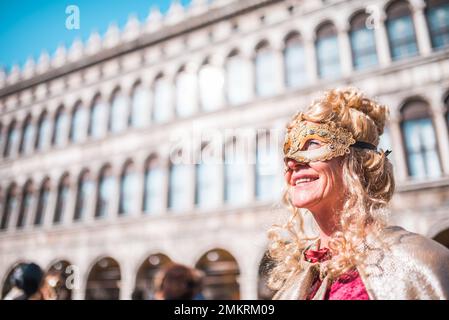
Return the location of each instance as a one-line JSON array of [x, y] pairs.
[[313, 144]]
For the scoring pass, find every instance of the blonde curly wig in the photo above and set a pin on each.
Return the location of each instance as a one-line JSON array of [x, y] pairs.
[[368, 181]]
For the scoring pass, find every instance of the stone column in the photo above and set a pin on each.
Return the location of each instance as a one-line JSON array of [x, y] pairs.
[[191, 182], [311, 58], [441, 130], [345, 50], [69, 209], [399, 152], [126, 281], [51, 204], [113, 210], [193, 67], [4, 138], [250, 149], [79, 276], [278, 51], [248, 54], [146, 83], [50, 129], [422, 30], [248, 279], [140, 182], [165, 168], [92, 197], [14, 148], [171, 79], [219, 61], [11, 224], [31, 212], [29, 146]]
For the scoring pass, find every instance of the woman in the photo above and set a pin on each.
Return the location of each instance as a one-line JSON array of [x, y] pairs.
[[335, 172]]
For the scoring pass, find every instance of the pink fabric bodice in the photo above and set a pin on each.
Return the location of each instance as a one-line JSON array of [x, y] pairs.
[[348, 286]]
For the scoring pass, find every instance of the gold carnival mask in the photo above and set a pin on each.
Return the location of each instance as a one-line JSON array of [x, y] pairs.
[[308, 142]]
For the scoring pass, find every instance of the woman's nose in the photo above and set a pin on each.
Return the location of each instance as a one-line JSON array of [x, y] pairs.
[[292, 164]]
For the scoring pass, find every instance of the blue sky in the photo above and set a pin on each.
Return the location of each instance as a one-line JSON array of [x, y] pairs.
[[29, 26]]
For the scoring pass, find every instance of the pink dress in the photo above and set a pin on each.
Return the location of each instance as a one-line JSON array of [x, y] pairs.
[[348, 286]]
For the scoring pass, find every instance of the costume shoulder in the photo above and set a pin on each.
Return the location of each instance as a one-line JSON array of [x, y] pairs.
[[405, 265]]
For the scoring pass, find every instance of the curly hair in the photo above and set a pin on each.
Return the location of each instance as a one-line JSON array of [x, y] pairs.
[[368, 182]]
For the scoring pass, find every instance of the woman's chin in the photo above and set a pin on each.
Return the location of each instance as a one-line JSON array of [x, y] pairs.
[[304, 198], [303, 203]]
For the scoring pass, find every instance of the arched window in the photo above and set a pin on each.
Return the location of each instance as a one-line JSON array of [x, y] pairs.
[[207, 192], [266, 72], [84, 192], [327, 50], [179, 188], [238, 79], [26, 142], [60, 128], [97, 118], [420, 140], [295, 62], [363, 43], [78, 125], [267, 170], [61, 199], [211, 82], [25, 205], [105, 192], [152, 198], [9, 207], [140, 106], [162, 103], [128, 189], [43, 132], [235, 167], [438, 20], [118, 117], [103, 281], [186, 92], [42, 202], [221, 275], [146, 275], [401, 30], [12, 140]]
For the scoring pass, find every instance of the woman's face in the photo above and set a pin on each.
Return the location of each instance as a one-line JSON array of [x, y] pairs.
[[318, 185]]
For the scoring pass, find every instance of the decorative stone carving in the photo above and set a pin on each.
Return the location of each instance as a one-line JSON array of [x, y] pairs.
[[76, 50], [132, 28], [154, 20], [112, 36], [93, 43], [14, 74], [60, 56], [29, 68], [175, 13]]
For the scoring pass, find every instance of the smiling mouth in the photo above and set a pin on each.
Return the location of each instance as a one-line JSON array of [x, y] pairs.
[[303, 181]]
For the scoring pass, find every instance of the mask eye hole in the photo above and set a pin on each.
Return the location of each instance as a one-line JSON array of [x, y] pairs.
[[313, 144]]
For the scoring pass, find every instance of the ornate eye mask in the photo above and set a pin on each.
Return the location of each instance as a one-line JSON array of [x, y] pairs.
[[333, 142]]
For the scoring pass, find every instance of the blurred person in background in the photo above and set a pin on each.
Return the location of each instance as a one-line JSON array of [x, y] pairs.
[[177, 282], [335, 172], [26, 281]]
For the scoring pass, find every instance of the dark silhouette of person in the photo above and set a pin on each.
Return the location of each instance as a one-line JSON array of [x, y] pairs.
[[176, 282], [26, 280]]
